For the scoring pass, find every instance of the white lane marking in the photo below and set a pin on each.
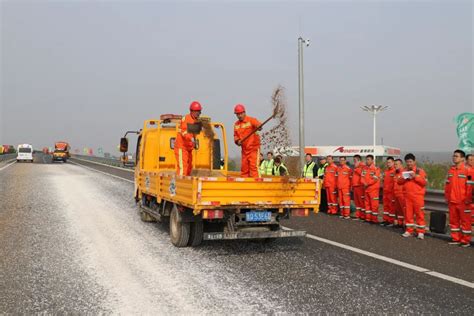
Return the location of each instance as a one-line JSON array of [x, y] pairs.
[[103, 164], [360, 251], [5, 167], [450, 278], [108, 174], [392, 261]]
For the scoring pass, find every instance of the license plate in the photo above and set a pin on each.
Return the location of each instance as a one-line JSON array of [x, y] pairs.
[[258, 216]]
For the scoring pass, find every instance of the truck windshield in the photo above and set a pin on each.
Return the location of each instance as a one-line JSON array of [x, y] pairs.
[[25, 150]]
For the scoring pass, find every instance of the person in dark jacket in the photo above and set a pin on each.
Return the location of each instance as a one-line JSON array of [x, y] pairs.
[[323, 206]]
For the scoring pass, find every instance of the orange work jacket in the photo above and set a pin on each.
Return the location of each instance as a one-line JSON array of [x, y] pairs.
[[183, 138], [344, 176], [244, 128]]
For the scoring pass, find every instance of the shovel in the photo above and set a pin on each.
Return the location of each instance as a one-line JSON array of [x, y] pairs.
[[258, 128]]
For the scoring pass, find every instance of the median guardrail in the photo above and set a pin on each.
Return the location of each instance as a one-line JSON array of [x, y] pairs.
[[6, 157], [115, 162], [434, 199]]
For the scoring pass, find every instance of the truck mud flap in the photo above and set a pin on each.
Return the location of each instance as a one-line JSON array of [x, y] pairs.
[[255, 235]]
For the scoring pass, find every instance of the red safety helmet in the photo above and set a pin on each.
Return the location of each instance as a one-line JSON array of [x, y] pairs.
[[195, 106], [239, 108]]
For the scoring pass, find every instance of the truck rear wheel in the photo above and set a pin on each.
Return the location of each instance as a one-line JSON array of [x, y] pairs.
[[195, 237], [179, 231]]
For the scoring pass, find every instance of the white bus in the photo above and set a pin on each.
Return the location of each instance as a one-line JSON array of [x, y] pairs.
[[25, 153]]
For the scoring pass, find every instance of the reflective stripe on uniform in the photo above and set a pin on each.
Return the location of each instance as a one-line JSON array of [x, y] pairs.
[[180, 154]]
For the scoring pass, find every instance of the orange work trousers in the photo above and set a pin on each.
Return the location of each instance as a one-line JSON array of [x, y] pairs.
[[372, 206], [460, 222], [184, 159], [359, 201], [415, 207], [472, 214], [388, 207], [345, 202], [399, 207], [249, 163], [331, 193]]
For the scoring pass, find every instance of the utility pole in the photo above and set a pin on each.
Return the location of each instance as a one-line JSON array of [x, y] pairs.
[[374, 109], [301, 42]]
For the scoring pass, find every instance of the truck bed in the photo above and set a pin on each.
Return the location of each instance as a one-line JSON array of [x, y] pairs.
[[225, 192]]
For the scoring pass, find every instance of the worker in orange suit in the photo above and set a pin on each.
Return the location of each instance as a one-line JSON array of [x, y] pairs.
[[399, 194], [470, 165], [388, 194], [330, 184], [184, 144], [456, 194], [371, 182], [414, 186], [244, 126], [344, 177], [358, 188]]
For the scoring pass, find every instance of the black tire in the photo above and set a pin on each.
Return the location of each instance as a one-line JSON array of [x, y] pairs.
[[179, 231], [195, 237]]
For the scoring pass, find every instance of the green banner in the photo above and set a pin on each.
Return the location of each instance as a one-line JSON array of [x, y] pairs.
[[465, 131]]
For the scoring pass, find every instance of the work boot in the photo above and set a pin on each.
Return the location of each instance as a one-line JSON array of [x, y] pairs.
[[356, 219], [465, 245], [421, 236], [347, 217], [454, 243], [406, 234], [384, 224]]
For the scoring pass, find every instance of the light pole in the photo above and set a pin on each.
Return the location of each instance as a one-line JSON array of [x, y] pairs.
[[374, 109], [301, 42]]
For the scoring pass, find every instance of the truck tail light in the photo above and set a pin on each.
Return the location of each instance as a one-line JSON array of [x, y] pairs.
[[300, 212], [212, 214]]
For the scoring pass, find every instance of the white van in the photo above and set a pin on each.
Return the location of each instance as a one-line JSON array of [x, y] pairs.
[[25, 153]]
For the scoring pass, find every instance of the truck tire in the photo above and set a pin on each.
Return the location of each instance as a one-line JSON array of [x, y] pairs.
[[179, 231], [195, 236], [145, 217]]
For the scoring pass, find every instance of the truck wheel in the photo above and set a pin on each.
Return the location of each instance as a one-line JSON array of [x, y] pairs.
[[145, 217], [179, 231], [195, 237]]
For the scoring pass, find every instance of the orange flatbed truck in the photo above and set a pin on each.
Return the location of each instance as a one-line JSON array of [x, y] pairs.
[[213, 203], [61, 151]]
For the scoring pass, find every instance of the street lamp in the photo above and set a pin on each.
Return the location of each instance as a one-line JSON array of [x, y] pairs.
[[301, 42], [374, 109]]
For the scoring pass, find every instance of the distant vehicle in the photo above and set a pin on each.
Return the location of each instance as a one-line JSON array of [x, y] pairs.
[[25, 153], [7, 149], [45, 150], [61, 151]]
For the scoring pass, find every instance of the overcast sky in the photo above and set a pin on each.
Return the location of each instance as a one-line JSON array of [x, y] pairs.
[[86, 71]]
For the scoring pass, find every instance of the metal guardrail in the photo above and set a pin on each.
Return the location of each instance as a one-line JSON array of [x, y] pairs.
[[434, 199], [106, 161], [6, 157]]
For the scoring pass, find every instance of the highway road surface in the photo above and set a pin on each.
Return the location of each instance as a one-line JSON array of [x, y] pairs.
[[71, 241]]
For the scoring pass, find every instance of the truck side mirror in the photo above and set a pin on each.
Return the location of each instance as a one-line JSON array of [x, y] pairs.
[[123, 145]]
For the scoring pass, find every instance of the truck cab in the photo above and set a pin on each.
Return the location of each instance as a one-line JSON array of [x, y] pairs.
[[61, 151]]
